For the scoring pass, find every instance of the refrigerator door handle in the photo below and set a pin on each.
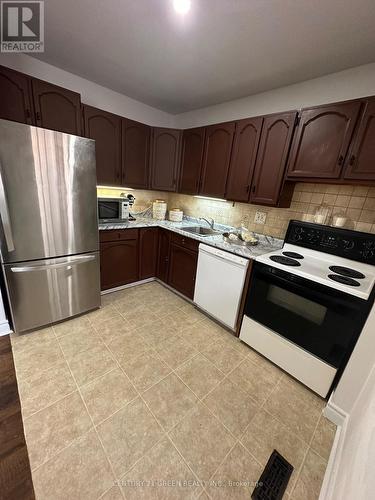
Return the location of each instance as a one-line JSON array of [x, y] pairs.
[[4, 214], [78, 260]]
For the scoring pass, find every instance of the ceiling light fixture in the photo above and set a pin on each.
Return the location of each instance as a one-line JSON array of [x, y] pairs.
[[181, 6]]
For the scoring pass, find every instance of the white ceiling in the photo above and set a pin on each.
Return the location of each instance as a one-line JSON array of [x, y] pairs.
[[221, 50]]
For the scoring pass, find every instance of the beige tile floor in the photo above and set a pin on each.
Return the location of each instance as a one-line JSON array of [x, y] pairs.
[[147, 398]]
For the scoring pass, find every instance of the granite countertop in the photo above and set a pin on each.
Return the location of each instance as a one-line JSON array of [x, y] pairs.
[[266, 243]]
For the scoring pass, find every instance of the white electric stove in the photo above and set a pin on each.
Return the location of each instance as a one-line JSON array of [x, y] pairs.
[[307, 302]]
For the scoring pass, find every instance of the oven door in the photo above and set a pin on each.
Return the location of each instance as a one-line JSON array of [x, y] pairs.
[[320, 319]]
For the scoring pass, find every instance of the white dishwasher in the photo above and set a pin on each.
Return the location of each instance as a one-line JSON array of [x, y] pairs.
[[219, 283]]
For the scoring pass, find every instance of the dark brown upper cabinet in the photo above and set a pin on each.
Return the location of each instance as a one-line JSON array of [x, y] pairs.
[[57, 108], [135, 154], [191, 160], [361, 158], [244, 154], [271, 159], [165, 157], [105, 128], [15, 96], [322, 140], [217, 151]]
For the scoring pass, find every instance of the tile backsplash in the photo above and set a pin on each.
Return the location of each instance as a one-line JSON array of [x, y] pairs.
[[356, 203]]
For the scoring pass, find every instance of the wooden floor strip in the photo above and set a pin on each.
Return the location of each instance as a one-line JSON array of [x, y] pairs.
[[15, 473]]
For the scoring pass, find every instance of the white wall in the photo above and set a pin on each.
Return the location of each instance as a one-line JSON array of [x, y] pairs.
[[350, 472], [91, 93], [348, 84], [358, 368], [353, 468], [341, 86], [4, 325]]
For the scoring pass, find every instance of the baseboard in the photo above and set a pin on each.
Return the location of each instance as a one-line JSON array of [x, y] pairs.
[[4, 328], [130, 285], [176, 292], [335, 414], [330, 477]]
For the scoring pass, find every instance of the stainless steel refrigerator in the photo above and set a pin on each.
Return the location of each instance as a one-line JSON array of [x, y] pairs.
[[49, 227]]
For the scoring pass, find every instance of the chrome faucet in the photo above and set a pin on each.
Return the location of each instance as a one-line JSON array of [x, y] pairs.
[[211, 224]]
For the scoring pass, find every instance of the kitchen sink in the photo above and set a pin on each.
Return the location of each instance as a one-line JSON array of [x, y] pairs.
[[202, 231]]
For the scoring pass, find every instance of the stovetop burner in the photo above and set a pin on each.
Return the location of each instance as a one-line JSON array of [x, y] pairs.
[[346, 271], [293, 255], [287, 261], [343, 279]]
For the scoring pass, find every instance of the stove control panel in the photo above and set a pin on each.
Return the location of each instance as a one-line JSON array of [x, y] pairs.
[[347, 243]]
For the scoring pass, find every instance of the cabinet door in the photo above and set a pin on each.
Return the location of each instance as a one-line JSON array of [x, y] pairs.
[[15, 96], [191, 160], [272, 156], [105, 128], [118, 263], [148, 252], [163, 256], [361, 159], [245, 148], [182, 270], [135, 154], [322, 139], [165, 159], [57, 108], [216, 160]]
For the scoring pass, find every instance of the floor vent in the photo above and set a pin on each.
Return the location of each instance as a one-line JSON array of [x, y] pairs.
[[274, 479]]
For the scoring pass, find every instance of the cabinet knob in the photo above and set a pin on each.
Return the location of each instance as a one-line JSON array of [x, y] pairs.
[[247, 188], [352, 160], [254, 187], [38, 117], [340, 161]]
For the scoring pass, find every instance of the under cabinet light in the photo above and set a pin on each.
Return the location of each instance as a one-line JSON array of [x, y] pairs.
[[115, 187], [209, 198]]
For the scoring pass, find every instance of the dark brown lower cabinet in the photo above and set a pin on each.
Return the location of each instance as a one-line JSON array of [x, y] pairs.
[[118, 258], [163, 255], [148, 252], [182, 269], [131, 255]]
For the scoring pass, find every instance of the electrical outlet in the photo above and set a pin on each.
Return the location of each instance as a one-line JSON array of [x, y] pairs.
[[260, 217]]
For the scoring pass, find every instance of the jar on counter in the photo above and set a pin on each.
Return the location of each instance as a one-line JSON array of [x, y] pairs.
[[176, 215], [322, 214], [159, 209]]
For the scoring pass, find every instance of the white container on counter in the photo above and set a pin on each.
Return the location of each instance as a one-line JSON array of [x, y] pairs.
[[176, 215], [339, 220], [159, 209]]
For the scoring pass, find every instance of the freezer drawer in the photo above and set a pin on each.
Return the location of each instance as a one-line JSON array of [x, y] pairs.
[[45, 291]]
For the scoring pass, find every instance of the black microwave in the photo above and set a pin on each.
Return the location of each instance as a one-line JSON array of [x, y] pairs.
[[113, 209]]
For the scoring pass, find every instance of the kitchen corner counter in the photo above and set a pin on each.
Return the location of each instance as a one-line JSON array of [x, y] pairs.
[[266, 243]]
